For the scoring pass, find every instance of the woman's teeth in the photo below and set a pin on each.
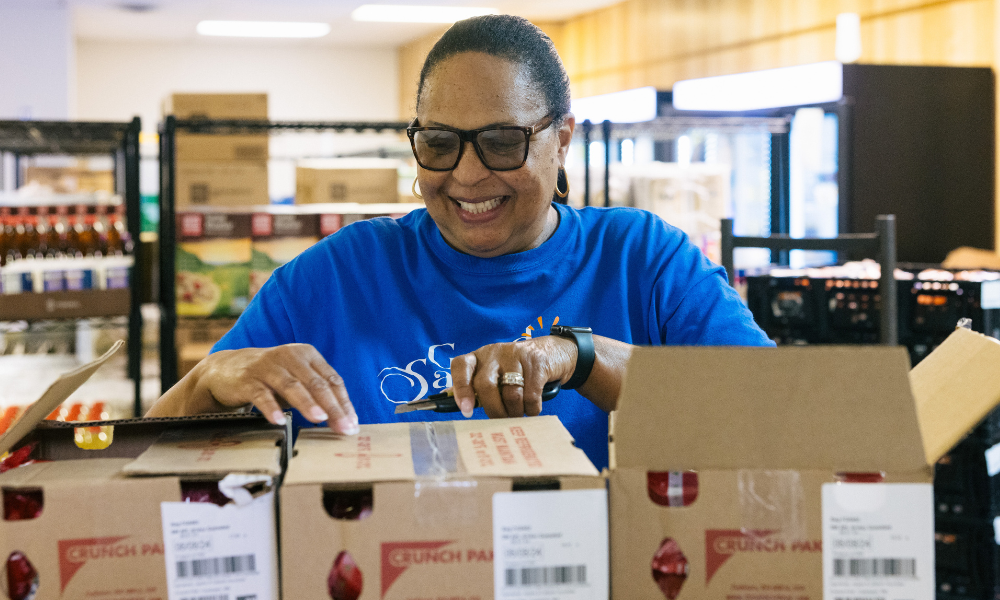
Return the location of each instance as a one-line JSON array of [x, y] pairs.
[[480, 207]]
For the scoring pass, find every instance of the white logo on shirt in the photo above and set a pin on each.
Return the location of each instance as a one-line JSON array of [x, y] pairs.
[[440, 375]]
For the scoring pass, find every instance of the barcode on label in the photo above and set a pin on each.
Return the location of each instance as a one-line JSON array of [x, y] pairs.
[[208, 567], [875, 567], [222, 597], [538, 576]]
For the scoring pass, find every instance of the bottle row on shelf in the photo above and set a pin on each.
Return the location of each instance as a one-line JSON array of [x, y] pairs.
[[68, 411], [83, 230]]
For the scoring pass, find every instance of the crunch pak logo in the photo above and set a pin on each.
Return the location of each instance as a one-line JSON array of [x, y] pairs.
[[397, 557], [723, 544], [73, 554]]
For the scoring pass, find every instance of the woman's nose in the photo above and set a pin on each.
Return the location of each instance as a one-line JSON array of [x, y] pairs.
[[470, 169]]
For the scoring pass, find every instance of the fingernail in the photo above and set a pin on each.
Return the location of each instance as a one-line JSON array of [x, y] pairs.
[[354, 419], [467, 407], [318, 414], [278, 417], [347, 426]]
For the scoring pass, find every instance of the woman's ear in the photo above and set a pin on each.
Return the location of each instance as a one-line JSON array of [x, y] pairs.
[[566, 136]]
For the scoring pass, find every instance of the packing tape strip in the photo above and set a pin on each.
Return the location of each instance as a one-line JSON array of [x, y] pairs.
[[434, 446]]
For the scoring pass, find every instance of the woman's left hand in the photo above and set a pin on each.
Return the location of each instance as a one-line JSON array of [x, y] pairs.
[[538, 360]]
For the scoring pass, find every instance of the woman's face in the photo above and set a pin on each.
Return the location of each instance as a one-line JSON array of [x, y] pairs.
[[474, 90]]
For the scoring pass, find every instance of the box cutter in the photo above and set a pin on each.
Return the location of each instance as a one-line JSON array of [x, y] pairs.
[[445, 401]]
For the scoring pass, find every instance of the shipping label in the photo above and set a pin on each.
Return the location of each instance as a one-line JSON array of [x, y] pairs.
[[550, 545], [220, 553], [878, 541]]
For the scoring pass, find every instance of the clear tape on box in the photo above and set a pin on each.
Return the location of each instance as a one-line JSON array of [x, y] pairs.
[[440, 479], [771, 504]]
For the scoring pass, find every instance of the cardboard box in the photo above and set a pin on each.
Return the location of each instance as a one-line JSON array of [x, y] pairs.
[[216, 106], [233, 183], [71, 180], [365, 181], [194, 339], [739, 473], [278, 235], [212, 263], [217, 147], [408, 510], [112, 523], [201, 331]]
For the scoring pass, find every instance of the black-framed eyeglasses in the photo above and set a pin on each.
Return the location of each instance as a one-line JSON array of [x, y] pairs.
[[502, 148]]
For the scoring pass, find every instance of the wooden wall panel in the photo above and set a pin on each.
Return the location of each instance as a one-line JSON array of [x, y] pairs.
[[666, 40]]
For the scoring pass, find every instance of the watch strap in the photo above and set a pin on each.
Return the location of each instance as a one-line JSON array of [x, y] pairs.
[[585, 354]]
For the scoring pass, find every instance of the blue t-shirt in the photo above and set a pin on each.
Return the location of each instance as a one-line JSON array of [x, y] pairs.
[[389, 303]]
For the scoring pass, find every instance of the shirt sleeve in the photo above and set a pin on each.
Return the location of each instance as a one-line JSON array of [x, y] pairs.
[[693, 304], [263, 324]]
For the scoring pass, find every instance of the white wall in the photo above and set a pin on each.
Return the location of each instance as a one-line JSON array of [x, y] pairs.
[[117, 80], [36, 62]]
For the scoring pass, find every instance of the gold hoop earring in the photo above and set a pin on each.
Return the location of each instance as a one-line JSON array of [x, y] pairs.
[[413, 189], [562, 171]]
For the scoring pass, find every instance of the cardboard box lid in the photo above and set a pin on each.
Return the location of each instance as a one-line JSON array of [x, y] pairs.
[[842, 408], [252, 105], [529, 447], [353, 164], [61, 388], [838, 408], [955, 387], [65, 472], [211, 453]]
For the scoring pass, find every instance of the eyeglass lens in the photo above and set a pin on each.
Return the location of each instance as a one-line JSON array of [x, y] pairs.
[[500, 149]]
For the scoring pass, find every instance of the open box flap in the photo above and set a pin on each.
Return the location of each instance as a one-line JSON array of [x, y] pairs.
[[954, 388], [56, 394], [528, 447], [65, 472], [841, 408], [211, 452]]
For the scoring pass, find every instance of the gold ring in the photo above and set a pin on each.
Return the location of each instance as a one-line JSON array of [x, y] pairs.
[[511, 379]]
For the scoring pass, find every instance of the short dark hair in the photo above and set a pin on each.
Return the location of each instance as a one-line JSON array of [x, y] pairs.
[[511, 38]]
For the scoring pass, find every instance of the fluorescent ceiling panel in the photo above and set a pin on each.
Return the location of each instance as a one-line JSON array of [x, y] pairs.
[[630, 106], [263, 29], [388, 13], [816, 83]]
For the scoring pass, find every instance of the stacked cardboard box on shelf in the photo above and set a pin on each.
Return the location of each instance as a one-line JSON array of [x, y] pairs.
[[361, 180], [219, 170], [194, 339], [71, 180], [143, 508]]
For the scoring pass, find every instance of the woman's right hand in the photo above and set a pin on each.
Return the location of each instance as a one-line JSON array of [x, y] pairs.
[[291, 375]]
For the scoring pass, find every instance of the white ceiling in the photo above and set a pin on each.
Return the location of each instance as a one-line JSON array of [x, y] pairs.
[[160, 20]]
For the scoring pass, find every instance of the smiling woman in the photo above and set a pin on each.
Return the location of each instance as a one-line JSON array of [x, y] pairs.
[[387, 311]]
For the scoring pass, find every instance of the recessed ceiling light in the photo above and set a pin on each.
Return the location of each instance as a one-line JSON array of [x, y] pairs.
[[417, 14], [267, 29]]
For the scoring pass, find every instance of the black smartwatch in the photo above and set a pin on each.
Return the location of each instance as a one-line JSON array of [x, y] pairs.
[[584, 338]]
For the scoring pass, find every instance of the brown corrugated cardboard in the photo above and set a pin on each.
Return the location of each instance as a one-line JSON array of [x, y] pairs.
[[71, 180], [429, 488], [219, 183], [217, 147], [365, 181], [216, 106], [768, 432], [100, 533], [201, 331]]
